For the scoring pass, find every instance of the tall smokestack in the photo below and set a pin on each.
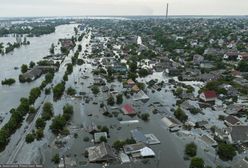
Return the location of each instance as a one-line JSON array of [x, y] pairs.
[[167, 10]]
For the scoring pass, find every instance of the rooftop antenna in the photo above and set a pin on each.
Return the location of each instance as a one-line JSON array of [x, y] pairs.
[[167, 10]]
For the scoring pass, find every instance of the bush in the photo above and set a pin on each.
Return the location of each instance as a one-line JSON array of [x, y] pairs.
[[39, 134], [95, 90], [180, 115], [119, 144], [30, 138], [191, 149], [145, 116], [9, 81], [69, 68], [86, 139], [195, 111], [56, 159], [68, 112], [70, 91], [24, 68], [104, 129], [197, 163]]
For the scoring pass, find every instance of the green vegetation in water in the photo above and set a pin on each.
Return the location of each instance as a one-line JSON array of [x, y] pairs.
[[9, 81]]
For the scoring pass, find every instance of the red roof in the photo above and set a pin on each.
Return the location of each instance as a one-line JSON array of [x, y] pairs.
[[210, 94], [128, 109]]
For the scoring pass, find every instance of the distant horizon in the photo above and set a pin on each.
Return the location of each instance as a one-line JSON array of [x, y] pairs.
[[57, 8], [179, 15]]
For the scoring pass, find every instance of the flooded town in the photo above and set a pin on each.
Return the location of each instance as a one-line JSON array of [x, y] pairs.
[[118, 92]]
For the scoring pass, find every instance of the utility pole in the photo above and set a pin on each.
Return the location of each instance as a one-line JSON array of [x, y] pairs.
[[167, 10]]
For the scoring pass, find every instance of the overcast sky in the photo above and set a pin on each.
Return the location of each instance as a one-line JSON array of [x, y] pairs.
[[121, 7]]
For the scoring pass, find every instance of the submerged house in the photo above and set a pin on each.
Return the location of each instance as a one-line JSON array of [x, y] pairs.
[[138, 150], [101, 153], [67, 43], [120, 68], [36, 72], [128, 109], [208, 96]]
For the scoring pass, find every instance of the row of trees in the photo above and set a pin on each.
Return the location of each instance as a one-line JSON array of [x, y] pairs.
[[15, 121]]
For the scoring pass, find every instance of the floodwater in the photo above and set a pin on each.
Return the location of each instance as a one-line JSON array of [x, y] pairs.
[[39, 47], [169, 153]]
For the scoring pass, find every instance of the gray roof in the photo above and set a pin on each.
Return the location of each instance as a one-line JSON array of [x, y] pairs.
[[100, 153], [232, 120], [128, 149], [241, 164], [239, 134], [33, 73], [138, 136]]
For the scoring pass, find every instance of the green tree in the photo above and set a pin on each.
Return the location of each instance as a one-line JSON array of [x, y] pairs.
[[24, 68], [180, 115], [143, 73], [34, 94], [40, 123], [58, 124], [70, 91], [58, 90], [47, 112], [243, 66], [30, 138], [68, 112], [49, 77], [69, 68], [103, 139], [9, 81], [95, 90], [133, 66], [64, 50], [31, 64], [226, 151], [3, 139], [178, 91], [118, 144], [79, 48], [39, 134], [197, 163], [32, 109], [191, 149]]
